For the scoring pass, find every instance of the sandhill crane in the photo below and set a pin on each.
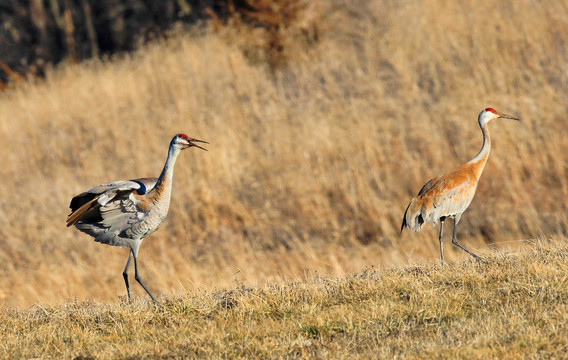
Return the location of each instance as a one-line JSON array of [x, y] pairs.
[[123, 213], [449, 195]]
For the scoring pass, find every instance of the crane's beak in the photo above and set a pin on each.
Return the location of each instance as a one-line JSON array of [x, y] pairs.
[[193, 141], [505, 116]]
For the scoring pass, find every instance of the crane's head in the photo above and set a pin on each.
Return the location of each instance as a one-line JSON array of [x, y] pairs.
[[489, 114], [182, 141]]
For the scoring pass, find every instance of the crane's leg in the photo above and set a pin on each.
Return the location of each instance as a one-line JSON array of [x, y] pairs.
[[125, 273], [455, 241], [134, 247], [137, 277], [441, 239]]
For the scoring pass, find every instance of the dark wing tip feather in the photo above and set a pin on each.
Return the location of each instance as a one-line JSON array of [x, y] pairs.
[[425, 188], [82, 212], [404, 223], [80, 200]]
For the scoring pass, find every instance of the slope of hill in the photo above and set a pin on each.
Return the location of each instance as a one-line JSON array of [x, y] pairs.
[[513, 307]]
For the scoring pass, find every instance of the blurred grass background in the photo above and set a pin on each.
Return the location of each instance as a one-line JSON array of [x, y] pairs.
[[321, 132]]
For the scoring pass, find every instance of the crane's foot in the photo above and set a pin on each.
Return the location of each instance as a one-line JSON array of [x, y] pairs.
[[480, 260], [456, 243], [477, 258]]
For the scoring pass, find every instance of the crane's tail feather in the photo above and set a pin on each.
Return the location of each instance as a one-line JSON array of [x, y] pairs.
[[404, 223], [82, 212], [413, 216]]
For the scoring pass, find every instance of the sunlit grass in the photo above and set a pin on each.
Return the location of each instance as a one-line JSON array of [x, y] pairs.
[[513, 307]]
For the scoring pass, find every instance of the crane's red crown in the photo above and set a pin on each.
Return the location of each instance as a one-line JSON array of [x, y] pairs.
[[492, 110], [183, 136]]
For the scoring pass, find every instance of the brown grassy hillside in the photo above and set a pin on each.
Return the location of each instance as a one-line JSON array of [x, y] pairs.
[[514, 307], [311, 163]]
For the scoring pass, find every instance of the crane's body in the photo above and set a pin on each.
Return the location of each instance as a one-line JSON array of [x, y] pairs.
[[449, 195], [123, 213]]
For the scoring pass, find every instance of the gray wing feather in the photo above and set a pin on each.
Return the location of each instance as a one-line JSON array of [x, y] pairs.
[[121, 214], [108, 192], [117, 209]]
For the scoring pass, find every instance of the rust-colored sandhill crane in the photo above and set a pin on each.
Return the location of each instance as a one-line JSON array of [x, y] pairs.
[[449, 195], [123, 213]]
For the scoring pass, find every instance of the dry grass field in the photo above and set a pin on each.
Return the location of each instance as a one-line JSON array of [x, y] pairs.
[[515, 307], [311, 161]]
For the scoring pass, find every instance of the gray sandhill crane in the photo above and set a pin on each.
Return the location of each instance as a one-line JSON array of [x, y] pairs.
[[449, 195], [123, 213]]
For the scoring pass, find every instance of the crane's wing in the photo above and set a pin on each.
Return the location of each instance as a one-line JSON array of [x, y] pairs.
[[442, 196], [109, 209]]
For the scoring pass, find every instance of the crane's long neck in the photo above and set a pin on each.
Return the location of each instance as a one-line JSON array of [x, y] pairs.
[[480, 159], [163, 188]]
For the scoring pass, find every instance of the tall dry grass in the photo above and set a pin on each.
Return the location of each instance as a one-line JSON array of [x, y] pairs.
[[310, 165]]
